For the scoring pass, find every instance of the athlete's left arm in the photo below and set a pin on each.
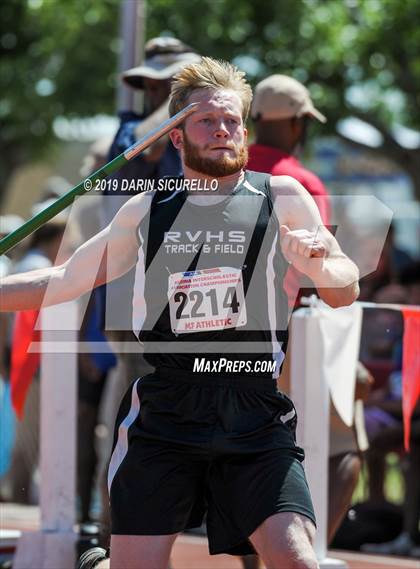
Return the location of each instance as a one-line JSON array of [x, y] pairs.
[[303, 236]]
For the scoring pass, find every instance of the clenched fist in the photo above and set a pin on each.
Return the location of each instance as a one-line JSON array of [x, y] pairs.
[[300, 245]]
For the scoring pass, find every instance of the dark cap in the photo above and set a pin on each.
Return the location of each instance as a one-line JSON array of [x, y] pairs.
[[164, 57]]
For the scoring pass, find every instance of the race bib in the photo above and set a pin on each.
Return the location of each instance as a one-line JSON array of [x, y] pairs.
[[208, 299]]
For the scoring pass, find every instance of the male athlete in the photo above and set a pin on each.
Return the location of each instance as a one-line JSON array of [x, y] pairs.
[[208, 431]]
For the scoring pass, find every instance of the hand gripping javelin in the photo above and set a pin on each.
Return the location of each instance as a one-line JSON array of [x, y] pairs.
[[49, 212]]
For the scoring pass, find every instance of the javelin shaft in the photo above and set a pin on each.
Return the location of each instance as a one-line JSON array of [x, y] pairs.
[[82, 188]]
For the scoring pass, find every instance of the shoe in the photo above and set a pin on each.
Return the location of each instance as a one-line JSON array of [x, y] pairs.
[[401, 545], [91, 558]]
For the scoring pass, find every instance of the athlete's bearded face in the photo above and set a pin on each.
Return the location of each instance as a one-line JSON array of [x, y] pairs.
[[213, 141], [226, 162]]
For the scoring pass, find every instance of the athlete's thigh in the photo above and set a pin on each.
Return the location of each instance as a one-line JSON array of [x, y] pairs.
[[158, 467], [141, 551], [285, 540], [159, 489]]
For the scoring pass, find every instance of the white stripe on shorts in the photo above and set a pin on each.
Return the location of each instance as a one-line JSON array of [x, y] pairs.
[[288, 416], [121, 448]]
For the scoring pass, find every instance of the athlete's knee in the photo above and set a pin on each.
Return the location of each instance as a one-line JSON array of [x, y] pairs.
[[297, 549], [292, 552], [303, 554], [290, 558], [285, 541], [305, 563]]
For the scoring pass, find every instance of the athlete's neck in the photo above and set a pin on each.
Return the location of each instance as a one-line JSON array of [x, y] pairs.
[[225, 185]]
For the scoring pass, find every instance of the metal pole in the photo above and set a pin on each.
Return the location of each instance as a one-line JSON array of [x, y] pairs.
[[132, 34], [127, 58]]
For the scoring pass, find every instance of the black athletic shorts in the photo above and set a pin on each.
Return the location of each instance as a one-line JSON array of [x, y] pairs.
[[186, 445]]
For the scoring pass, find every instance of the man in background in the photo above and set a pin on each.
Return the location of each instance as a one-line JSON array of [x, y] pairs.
[[164, 57], [282, 110]]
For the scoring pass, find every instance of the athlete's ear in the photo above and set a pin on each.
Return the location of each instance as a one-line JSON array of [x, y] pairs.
[[177, 137]]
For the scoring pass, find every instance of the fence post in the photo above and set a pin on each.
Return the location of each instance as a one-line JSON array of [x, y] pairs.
[[53, 547], [310, 395]]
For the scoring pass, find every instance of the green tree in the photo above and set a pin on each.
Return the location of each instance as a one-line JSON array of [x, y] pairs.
[[359, 58], [57, 58]]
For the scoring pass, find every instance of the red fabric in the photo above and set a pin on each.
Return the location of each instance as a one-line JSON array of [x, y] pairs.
[[23, 363], [410, 369], [277, 163]]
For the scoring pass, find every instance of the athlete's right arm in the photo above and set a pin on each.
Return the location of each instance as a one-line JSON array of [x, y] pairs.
[[107, 256]]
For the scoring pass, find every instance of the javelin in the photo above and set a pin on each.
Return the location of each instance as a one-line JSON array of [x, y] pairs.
[[86, 185]]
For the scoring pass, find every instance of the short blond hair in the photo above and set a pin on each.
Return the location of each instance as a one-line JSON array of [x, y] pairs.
[[209, 74]]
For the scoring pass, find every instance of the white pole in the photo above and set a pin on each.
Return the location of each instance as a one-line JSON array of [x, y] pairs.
[[132, 21], [58, 423], [311, 397], [54, 546]]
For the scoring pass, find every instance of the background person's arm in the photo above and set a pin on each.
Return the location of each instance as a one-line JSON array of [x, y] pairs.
[[334, 275], [107, 256]]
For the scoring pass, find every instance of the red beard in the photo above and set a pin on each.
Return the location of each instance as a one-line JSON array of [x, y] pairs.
[[219, 167]]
